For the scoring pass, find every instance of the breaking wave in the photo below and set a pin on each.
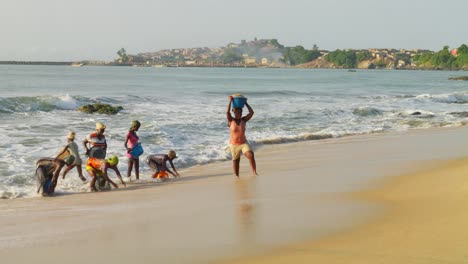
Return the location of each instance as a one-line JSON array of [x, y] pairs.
[[367, 111], [38, 103], [450, 98], [290, 139], [47, 103]]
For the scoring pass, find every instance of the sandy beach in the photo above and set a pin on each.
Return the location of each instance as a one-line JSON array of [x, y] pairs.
[[424, 222], [387, 198]]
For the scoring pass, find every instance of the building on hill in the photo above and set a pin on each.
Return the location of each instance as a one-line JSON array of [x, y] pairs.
[[250, 61]]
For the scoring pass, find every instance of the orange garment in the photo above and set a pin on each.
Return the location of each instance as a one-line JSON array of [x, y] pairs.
[[237, 132], [95, 163], [161, 174]]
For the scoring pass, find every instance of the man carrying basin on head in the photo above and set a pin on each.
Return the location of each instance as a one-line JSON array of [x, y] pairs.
[[97, 169], [97, 142], [47, 173], [238, 141]]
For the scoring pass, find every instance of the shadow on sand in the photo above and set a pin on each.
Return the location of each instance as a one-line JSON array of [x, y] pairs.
[[150, 183]]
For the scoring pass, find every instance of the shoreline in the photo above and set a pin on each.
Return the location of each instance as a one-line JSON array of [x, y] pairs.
[[209, 216], [112, 64], [315, 139]]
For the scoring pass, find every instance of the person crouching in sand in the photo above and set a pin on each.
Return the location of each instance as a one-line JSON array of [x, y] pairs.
[[97, 169], [47, 173], [238, 140], [157, 162]]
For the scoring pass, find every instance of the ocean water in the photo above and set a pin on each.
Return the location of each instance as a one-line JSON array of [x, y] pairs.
[[185, 109]]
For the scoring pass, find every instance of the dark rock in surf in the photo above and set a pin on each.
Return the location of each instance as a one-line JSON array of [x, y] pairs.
[[459, 78], [460, 114], [100, 108]]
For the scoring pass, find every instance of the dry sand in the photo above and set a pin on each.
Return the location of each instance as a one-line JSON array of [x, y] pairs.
[[307, 204]]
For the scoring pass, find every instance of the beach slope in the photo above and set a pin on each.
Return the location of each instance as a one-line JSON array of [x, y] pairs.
[[387, 198]]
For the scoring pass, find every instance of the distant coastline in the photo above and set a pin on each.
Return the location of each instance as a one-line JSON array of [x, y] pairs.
[[269, 53], [37, 62], [71, 64]]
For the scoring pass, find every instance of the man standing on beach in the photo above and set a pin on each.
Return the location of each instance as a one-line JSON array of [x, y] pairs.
[[238, 140]]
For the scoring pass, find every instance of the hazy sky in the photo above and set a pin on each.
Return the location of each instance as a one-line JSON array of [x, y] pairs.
[[63, 30]]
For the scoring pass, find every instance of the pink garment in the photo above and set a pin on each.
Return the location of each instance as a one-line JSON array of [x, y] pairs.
[[132, 141]]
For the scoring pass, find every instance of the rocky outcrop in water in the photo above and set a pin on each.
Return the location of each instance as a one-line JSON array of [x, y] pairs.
[[100, 108], [459, 78]]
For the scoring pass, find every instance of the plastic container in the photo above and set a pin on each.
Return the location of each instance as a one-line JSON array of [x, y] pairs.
[[161, 175], [238, 101], [137, 150]]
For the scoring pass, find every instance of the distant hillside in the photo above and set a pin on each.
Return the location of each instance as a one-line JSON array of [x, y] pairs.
[[456, 59], [270, 53]]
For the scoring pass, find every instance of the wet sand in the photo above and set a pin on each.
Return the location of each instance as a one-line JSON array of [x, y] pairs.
[[425, 221], [336, 200]]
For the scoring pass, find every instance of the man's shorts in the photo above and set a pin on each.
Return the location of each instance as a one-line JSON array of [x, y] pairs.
[[236, 150], [77, 162]]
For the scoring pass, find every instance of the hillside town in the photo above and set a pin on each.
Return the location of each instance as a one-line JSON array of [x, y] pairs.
[[268, 53], [256, 53]]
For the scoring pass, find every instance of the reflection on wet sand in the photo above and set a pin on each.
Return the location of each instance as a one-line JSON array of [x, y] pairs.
[[246, 207]]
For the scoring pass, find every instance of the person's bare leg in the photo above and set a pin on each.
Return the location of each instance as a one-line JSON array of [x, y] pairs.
[[80, 173], [137, 168], [92, 182], [235, 166], [130, 167], [251, 156], [67, 170]]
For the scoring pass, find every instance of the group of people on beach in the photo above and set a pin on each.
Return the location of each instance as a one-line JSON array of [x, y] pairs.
[[97, 165]]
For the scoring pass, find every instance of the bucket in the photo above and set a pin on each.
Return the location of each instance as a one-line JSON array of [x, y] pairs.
[[238, 102], [137, 150]]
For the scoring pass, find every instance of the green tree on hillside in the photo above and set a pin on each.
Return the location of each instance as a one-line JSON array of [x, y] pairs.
[[363, 55], [298, 55], [463, 49], [443, 59], [462, 59], [231, 55], [342, 58], [275, 43], [123, 58]]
